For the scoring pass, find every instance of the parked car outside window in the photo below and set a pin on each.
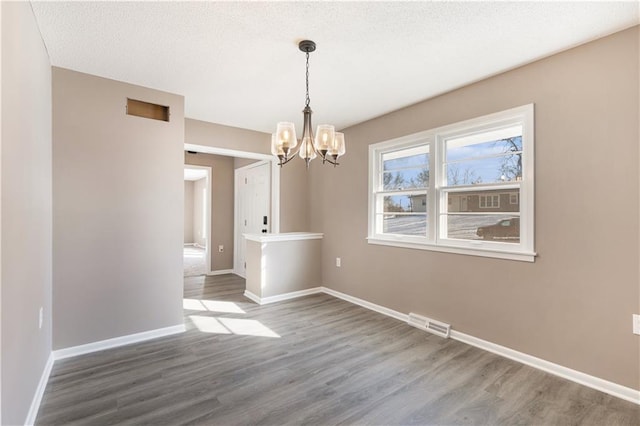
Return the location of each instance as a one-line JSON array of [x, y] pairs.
[[504, 229]]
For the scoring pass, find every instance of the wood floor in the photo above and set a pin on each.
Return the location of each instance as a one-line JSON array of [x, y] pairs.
[[315, 360]]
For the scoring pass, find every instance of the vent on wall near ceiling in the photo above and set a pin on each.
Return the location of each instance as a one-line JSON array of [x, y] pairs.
[[428, 324], [147, 110]]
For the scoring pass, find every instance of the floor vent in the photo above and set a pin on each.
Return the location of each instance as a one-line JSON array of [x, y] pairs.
[[432, 326]]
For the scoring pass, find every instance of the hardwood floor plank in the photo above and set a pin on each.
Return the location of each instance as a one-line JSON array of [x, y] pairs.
[[315, 360]]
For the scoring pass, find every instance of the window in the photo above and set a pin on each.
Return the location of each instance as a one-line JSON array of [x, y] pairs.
[[489, 201], [464, 188]]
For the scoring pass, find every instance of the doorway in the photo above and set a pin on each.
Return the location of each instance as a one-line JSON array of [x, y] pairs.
[[271, 194], [197, 220]]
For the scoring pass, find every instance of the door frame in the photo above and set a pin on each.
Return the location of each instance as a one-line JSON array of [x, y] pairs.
[[208, 201], [275, 182]]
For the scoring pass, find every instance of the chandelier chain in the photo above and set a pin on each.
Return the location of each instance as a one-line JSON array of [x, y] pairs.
[[308, 100]]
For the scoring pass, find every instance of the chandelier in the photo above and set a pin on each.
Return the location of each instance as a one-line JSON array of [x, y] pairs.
[[327, 143]]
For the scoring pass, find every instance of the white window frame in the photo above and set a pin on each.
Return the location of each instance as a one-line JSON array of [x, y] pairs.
[[438, 189], [491, 197]]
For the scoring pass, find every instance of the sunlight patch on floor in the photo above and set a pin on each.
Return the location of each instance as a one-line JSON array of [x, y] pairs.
[[211, 306], [241, 327], [246, 327], [208, 324]]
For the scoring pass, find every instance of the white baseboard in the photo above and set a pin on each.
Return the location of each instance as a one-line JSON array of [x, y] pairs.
[[220, 272], [117, 341], [252, 296], [281, 297], [292, 295], [365, 304], [37, 397], [593, 382]]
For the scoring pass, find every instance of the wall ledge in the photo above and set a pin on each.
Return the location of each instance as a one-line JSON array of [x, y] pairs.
[[286, 236]]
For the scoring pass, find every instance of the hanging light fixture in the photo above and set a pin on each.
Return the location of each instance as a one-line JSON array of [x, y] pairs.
[[327, 143]]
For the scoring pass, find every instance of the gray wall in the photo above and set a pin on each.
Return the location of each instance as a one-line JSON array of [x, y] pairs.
[[294, 199], [221, 206], [573, 306], [117, 211], [26, 210], [188, 212]]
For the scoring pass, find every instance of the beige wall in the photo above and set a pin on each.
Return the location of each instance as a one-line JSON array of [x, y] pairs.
[[241, 162], [221, 206], [573, 306], [188, 212], [265, 275], [26, 210], [117, 211], [294, 201]]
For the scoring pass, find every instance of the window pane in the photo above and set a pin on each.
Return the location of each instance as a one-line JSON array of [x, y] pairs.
[[457, 151], [412, 224], [501, 228], [405, 203], [507, 168], [416, 157], [505, 200], [405, 179]]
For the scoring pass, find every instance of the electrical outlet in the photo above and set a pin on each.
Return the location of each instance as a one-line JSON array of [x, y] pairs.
[[220, 249], [636, 324], [338, 262], [40, 318]]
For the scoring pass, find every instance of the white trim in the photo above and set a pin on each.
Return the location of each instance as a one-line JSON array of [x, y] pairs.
[[496, 254], [228, 152], [611, 388], [117, 341], [209, 213], [236, 226], [283, 296], [593, 382], [252, 297], [37, 397], [434, 141], [220, 272], [365, 304], [287, 236]]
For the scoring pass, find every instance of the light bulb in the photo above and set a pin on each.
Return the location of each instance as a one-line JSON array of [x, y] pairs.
[[286, 136]]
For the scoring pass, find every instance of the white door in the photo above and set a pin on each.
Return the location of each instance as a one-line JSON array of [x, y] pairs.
[[253, 195]]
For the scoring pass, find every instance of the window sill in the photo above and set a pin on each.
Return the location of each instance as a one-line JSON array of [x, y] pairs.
[[496, 254]]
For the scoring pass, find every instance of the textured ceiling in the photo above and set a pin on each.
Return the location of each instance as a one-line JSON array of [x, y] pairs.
[[237, 63]]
